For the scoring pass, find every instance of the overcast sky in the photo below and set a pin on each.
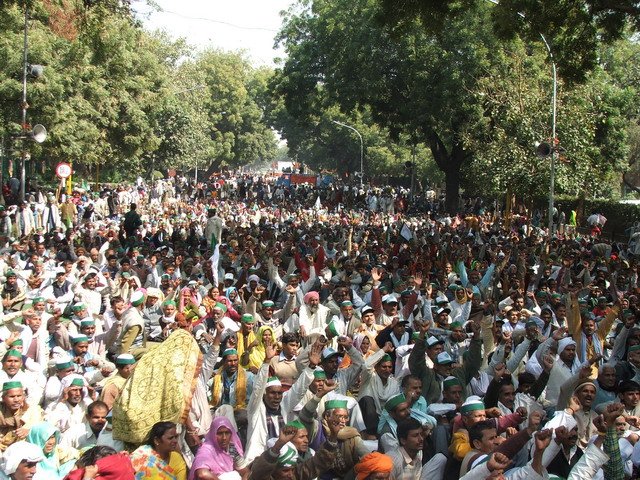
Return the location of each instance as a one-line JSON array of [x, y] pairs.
[[227, 24]]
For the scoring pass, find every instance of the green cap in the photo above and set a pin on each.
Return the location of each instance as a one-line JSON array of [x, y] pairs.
[[634, 348], [77, 382], [333, 404], [333, 328], [296, 423], [78, 307], [346, 303], [79, 339], [87, 322], [451, 381], [289, 458], [386, 358], [247, 318], [13, 353], [64, 365], [267, 304], [471, 405], [455, 325], [10, 273], [169, 302], [11, 385], [37, 300], [125, 359], [229, 351], [319, 374], [17, 341], [394, 401], [221, 306]]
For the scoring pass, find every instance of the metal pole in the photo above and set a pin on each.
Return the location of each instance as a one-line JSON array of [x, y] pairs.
[[413, 169], [554, 106], [361, 148], [553, 123], [24, 104], [196, 175]]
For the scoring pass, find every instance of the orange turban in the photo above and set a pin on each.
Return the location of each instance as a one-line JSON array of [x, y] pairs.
[[373, 463]]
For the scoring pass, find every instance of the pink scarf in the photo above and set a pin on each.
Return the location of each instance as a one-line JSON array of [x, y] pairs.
[[210, 456]]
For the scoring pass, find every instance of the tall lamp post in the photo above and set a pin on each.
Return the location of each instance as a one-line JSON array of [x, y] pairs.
[[38, 133], [361, 148], [553, 122]]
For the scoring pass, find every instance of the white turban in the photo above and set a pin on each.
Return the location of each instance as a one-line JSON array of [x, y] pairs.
[[16, 453], [564, 343]]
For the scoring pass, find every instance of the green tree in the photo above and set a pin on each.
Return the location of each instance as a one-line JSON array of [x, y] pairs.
[[576, 28]]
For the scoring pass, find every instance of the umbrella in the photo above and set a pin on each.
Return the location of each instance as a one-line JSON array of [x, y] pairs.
[[597, 219]]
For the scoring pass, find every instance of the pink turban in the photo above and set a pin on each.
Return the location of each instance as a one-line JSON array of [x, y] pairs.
[[311, 295]]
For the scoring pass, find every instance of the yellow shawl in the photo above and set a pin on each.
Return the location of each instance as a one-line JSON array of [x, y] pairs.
[[160, 388], [241, 389], [256, 357]]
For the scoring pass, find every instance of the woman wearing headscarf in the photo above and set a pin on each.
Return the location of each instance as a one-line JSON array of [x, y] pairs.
[[57, 461], [190, 305], [256, 350], [220, 452]]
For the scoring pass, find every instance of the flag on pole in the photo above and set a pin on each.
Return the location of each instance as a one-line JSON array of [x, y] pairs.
[[318, 205], [215, 259]]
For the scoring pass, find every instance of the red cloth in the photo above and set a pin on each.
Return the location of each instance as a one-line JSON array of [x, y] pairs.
[[113, 467]]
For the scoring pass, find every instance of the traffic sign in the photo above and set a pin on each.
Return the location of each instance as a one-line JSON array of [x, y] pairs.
[[63, 170]]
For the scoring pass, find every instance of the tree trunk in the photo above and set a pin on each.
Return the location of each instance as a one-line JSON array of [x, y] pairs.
[[450, 163]]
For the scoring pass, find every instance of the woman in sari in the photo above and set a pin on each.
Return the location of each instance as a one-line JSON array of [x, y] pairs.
[[361, 342], [57, 461], [190, 306], [214, 297], [219, 453], [160, 458], [256, 350]]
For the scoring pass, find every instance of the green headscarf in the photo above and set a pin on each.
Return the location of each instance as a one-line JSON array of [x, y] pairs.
[[49, 467]]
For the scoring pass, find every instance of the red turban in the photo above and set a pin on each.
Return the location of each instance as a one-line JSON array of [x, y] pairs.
[[311, 295], [373, 463]]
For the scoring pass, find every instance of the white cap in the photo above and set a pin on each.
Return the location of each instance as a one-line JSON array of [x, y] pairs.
[[228, 276]]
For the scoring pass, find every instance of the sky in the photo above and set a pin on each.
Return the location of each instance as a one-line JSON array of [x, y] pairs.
[[226, 24]]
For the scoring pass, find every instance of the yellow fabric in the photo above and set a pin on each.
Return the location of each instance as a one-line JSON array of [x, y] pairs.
[[460, 445], [241, 390], [256, 357], [240, 347], [179, 466], [160, 388]]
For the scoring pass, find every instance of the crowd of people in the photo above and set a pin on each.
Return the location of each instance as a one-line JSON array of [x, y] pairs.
[[248, 330]]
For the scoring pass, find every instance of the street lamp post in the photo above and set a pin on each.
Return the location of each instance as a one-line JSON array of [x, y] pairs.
[[553, 122], [361, 148], [25, 105]]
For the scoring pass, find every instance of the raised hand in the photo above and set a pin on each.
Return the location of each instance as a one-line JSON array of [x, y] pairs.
[[290, 289], [388, 347], [286, 435], [269, 351], [543, 439], [612, 412], [547, 363], [498, 462], [499, 371], [345, 342], [562, 434], [376, 274]]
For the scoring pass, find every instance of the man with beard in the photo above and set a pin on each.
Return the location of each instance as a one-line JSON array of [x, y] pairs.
[[71, 408], [313, 315], [377, 387]]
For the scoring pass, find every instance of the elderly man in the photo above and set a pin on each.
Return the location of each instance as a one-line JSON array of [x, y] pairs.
[[270, 407], [378, 385], [313, 317], [70, 409]]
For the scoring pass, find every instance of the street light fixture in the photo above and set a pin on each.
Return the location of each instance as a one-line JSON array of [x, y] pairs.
[[553, 122], [361, 148], [38, 133]]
